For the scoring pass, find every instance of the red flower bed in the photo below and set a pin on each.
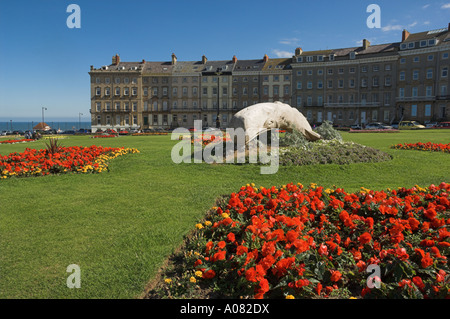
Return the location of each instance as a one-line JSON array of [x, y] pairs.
[[32, 162], [310, 242], [17, 141], [429, 147], [206, 139]]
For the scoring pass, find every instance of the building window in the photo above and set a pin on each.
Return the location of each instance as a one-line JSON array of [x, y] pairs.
[[135, 106], [98, 91], [445, 55], [364, 82], [402, 60], [340, 83], [319, 84], [299, 85], [164, 91], [309, 85], [98, 106], [374, 115], [429, 73], [416, 59], [387, 98], [430, 57], [351, 83], [444, 72], [429, 91], [402, 76], [401, 92], [126, 91], [414, 110], [375, 81], [428, 110], [387, 81], [415, 75], [275, 90], [126, 80], [175, 92], [299, 101], [386, 116], [99, 120], [415, 92], [117, 106]]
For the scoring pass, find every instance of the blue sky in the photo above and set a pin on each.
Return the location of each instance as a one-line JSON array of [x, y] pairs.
[[43, 62]]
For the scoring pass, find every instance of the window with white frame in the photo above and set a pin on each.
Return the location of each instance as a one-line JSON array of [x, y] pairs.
[[299, 100]]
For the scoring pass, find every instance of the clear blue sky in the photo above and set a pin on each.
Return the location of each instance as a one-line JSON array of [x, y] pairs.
[[43, 62]]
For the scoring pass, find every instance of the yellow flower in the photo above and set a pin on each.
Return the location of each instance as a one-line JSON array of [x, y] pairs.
[[198, 273], [167, 280], [199, 226], [253, 184], [208, 223], [193, 280], [225, 215], [290, 297]]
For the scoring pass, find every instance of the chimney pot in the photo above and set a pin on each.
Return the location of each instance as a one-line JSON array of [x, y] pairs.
[[204, 59], [266, 58], [298, 51], [366, 44], [234, 59]]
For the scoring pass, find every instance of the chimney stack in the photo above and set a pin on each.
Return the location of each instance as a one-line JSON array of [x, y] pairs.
[[143, 61], [116, 59], [174, 59], [204, 59], [366, 44], [298, 51], [405, 35], [234, 60], [266, 58]]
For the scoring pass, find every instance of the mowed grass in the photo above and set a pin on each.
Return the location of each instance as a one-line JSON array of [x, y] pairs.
[[121, 225]]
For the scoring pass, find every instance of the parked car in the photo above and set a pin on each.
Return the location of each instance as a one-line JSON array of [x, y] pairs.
[[378, 126], [442, 125], [123, 132], [3, 133], [394, 125], [355, 127], [431, 125], [410, 125]]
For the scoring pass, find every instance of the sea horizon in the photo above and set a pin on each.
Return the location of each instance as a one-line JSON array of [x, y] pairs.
[[62, 124]]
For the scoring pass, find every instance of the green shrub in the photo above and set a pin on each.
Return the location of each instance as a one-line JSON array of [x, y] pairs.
[[327, 132]]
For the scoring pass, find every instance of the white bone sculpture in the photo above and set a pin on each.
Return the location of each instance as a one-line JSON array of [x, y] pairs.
[[261, 117]]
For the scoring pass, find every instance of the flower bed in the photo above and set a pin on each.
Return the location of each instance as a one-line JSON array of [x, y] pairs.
[[105, 136], [429, 147], [297, 242], [25, 140], [75, 159], [206, 139], [149, 134], [331, 152]]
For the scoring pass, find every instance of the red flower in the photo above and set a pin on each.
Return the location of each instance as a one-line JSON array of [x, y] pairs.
[[231, 237], [335, 275], [418, 282], [209, 274], [364, 238]]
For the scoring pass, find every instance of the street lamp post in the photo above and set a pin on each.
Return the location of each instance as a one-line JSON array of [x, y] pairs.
[[43, 109], [218, 73]]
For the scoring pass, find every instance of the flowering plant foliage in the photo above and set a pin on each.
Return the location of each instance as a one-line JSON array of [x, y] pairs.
[[430, 147], [76, 159], [24, 140], [297, 242], [206, 139]]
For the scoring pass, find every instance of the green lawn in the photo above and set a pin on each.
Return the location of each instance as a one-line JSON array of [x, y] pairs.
[[120, 226]]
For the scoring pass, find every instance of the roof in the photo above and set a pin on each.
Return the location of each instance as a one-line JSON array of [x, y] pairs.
[[249, 65], [277, 64], [432, 34]]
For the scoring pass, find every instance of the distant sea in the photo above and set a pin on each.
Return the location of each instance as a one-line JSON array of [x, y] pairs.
[[62, 125]]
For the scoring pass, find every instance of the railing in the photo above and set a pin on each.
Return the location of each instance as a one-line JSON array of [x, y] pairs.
[[414, 98], [353, 104]]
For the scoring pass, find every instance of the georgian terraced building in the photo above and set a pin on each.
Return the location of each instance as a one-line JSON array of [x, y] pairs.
[[371, 83]]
